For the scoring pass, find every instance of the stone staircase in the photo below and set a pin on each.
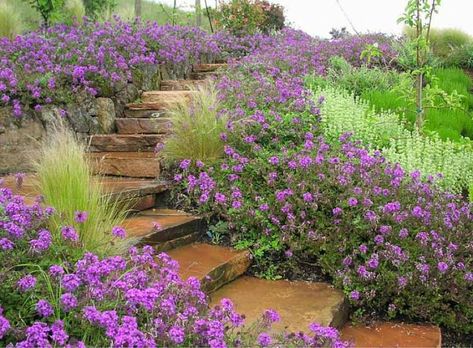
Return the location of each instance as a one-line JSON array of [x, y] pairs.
[[132, 171]]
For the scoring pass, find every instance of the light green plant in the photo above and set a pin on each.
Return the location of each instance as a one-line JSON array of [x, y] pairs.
[[196, 128], [65, 180], [342, 112], [10, 22]]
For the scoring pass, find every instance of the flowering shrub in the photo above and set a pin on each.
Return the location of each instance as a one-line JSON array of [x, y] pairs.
[[98, 59], [49, 297]]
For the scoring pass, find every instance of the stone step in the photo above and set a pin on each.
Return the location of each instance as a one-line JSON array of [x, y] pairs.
[[298, 303], [166, 99], [159, 125], [204, 75], [165, 229], [141, 193], [385, 335], [129, 164], [140, 110], [180, 85], [214, 265], [124, 142], [209, 67]]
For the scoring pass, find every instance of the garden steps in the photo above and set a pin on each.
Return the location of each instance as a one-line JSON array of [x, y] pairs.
[[174, 228], [298, 303], [180, 85], [157, 125], [129, 164], [386, 335], [124, 142], [213, 265]]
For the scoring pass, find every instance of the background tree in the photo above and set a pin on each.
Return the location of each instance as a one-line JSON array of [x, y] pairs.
[[137, 8], [47, 9], [418, 15]]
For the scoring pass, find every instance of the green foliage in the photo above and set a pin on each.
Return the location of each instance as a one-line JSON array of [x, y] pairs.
[[98, 8], [359, 80], [461, 57], [383, 130], [48, 9], [450, 122], [65, 180], [196, 128], [74, 10], [10, 22], [444, 41]]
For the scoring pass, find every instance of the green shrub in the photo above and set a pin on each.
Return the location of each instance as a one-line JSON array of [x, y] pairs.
[[461, 57], [443, 41], [73, 10], [64, 178], [10, 22], [383, 130], [449, 123], [196, 128], [358, 80], [242, 17]]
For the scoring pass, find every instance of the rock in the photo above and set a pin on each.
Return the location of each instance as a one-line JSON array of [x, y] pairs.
[[213, 265], [124, 142], [130, 164], [298, 303], [393, 335], [19, 141], [157, 125], [173, 225], [106, 114]]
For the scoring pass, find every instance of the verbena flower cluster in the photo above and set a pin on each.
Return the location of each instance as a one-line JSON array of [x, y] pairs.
[[51, 299], [99, 58], [394, 243]]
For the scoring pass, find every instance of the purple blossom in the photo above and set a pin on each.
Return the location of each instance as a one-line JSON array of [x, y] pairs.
[[44, 308], [264, 339], [26, 283], [119, 232], [69, 233], [80, 216]]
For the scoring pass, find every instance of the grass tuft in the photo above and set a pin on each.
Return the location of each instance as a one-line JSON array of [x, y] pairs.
[[196, 128], [10, 21], [65, 180]]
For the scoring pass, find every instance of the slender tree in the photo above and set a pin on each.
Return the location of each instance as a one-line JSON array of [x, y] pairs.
[[137, 8], [418, 15], [198, 13]]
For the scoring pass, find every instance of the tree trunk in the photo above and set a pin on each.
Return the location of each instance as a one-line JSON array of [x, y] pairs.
[[198, 13], [137, 8]]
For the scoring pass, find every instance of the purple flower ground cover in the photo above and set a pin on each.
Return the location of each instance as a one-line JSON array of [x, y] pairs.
[[54, 295], [398, 246]]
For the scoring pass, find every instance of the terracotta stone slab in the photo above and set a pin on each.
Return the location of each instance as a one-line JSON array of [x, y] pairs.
[[140, 111], [136, 190], [159, 125], [166, 98], [129, 164], [298, 303], [213, 265], [180, 85], [124, 143], [204, 75], [393, 335], [173, 224], [209, 67]]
